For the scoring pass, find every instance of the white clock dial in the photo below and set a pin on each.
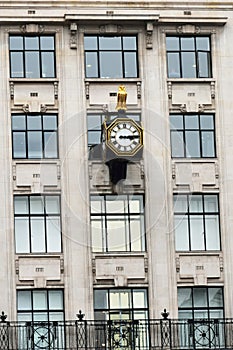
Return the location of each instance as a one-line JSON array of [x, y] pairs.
[[124, 137]]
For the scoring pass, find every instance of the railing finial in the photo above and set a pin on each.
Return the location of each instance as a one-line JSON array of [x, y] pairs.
[[3, 317], [165, 314], [80, 315]]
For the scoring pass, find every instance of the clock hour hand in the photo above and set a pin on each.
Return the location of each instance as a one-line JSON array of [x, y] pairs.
[[129, 137]]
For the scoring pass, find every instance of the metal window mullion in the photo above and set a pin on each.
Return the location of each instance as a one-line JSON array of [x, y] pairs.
[[105, 239], [128, 214], [29, 223], [98, 57], [42, 136], [122, 58], [200, 137], [180, 58], [184, 137], [40, 57]]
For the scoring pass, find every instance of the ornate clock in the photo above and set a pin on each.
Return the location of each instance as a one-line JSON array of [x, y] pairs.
[[124, 136]]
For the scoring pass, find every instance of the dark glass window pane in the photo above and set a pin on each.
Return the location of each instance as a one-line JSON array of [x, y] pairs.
[[110, 43], [129, 43], [180, 203], [207, 144], [17, 70], [94, 122], [176, 122], [91, 65], [16, 43], [192, 143], [22, 235], [47, 62], [203, 64], [172, 44], [47, 43], [191, 122], [197, 232], [94, 137], [177, 144], [207, 121], [212, 232], [181, 233], [211, 203], [21, 205], [173, 62], [203, 43], [50, 145], [34, 122], [32, 64], [19, 145], [130, 64], [110, 65], [200, 297], [184, 297], [188, 64], [195, 204], [50, 122], [100, 299], [18, 122], [90, 43], [215, 297], [32, 43], [187, 44], [35, 144]]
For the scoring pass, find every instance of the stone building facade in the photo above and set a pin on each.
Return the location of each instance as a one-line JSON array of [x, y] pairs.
[[161, 238]]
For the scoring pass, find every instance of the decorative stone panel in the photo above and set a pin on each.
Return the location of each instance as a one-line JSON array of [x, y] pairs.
[[199, 268], [191, 97], [39, 270], [121, 270], [195, 175], [34, 97], [36, 176]]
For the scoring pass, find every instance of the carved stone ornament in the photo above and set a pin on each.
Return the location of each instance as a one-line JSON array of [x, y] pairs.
[[32, 28], [149, 35], [183, 108], [12, 90], [73, 35], [56, 90], [43, 108], [201, 108], [25, 108], [87, 85], [139, 90]]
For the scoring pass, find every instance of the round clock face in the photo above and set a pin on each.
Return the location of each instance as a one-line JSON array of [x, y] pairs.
[[124, 137]]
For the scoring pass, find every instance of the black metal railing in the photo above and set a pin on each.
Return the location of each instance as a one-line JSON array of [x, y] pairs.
[[117, 334]]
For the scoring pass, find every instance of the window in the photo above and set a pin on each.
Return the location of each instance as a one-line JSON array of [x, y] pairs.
[[188, 56], [121, 304], [111, 56], [39, 313], [37, 224], [117, 223], [201, 313], [196, 222], [34, 136], [192, 136], [32, 56]]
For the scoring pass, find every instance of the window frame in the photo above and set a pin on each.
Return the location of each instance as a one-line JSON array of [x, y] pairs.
[[25, 131], [189, 215], [44, 217], [207, 308], [180, 51], [184, 131], [108, 311], [125, 216], [98, 51], [40, 52]]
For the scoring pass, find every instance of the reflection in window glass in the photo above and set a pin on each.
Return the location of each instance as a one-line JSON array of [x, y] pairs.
[[111, 56], [37, 229], [116, 224], [196, 223], [192, 136], [34, 136], [188, 57], [32, 56]]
